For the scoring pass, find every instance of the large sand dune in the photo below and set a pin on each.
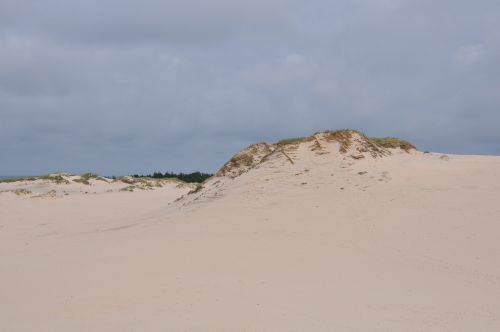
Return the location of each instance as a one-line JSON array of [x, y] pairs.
[[329, 233]]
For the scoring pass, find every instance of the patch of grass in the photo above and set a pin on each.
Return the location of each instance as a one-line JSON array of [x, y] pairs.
[[81, 180], [29, 178], [128, 180], [242, 158], [147, 183], [57, 178], [128, 188], [294, 140], [393, 143], [18, 192], [136, 181], [93, 176], [245, 159], [316, 146], [343, 136], [85, 178], [239, 161], [195, 190]]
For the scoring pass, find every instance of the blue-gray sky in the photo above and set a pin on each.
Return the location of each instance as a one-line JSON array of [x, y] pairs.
[[122, 86]]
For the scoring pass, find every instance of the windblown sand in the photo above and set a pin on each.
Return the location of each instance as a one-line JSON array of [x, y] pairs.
[[406, 242]]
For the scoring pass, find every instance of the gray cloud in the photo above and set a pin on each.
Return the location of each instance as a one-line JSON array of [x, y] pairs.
[[126, 86], [152, 21]]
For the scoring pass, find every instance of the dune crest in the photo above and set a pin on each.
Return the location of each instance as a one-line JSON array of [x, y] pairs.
[[299, 162], [347, 142]]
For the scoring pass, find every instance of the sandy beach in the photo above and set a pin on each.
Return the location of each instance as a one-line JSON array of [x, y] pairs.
[[308, 236]]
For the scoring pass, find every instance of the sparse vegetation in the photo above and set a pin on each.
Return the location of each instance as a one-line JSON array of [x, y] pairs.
[[343, 136], [294, 140], [142, 183], [148, 183], [239, 161], [85, 178], [128, 188], [57, 178], [370, 144], [126, 179], [21, 192], [393, 143], [243, 158], [316, 146], [18, 192], [81, 180], [195, 190]]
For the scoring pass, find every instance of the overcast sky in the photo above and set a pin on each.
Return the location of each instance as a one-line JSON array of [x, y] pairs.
[[122, 86]]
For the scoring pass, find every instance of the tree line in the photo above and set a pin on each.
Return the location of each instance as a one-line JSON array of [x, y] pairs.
[[186, 177]]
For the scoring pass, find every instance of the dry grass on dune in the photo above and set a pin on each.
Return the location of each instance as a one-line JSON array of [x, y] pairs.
[[393, 143], [86, 177], [346, 138], [56, 178], [294, 140]]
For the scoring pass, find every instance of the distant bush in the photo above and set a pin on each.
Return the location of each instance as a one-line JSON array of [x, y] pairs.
[[195, 177]]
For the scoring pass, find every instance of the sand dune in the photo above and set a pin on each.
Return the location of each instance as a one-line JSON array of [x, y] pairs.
[[327, 233]]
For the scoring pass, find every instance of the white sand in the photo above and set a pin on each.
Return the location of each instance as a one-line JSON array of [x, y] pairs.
[[411, 245]]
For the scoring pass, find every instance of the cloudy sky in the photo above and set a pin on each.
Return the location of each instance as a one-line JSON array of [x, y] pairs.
[[122, 86]]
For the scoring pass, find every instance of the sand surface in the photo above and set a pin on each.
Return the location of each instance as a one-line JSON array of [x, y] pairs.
[[406, 242]]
